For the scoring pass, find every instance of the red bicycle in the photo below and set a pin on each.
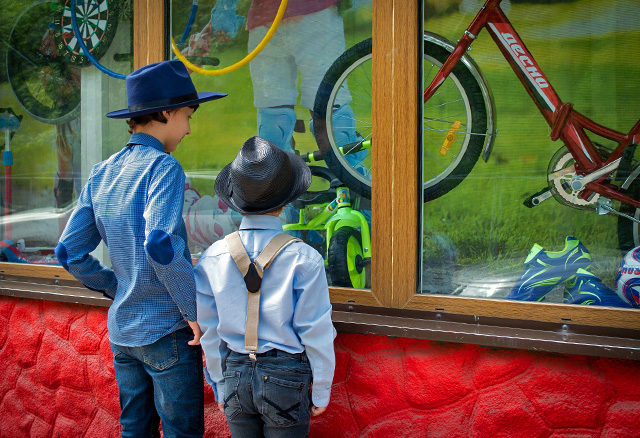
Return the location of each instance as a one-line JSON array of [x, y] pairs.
[[459, 126]]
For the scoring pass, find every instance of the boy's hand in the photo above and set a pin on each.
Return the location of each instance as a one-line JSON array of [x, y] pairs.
[[197, 333], [221, 407], [317, 411]]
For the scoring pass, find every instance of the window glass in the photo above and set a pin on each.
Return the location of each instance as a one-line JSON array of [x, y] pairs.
[[301, 92], [52, 106], [518, 226]]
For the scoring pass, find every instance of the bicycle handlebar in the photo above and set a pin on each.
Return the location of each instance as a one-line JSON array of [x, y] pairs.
[[350, 148]]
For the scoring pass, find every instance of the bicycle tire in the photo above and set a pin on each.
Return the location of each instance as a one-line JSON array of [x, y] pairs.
[[628, 230], [346, 259], [355, 65], [458, 98], [45, 86]]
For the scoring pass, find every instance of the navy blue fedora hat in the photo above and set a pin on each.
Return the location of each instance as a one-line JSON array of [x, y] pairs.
[[161, 86]]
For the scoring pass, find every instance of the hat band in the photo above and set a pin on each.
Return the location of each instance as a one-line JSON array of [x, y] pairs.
[[163, 102]]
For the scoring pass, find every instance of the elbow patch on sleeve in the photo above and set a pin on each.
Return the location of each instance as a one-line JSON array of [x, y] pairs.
[[159, 248], [61, 254]]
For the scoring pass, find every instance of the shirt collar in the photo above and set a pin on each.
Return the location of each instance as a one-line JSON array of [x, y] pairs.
[[262, 222], [146, 140]]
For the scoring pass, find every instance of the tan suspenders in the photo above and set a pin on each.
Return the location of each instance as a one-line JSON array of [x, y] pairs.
[[252, 273]]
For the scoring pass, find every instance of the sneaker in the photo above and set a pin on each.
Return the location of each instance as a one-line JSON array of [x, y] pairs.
[[544, 270], [588, 290]]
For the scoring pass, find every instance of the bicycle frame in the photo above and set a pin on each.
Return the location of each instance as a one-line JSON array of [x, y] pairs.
[[335, 215], [566, 123]]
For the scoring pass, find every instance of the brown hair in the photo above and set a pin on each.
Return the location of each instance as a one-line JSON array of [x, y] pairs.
[[148, 118]]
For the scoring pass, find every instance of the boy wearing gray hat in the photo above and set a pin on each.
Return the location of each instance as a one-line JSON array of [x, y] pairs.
[[267, 333], [133, 202]]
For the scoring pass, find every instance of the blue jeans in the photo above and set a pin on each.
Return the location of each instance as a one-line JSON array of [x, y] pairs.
[[269, 397], [166, 376]]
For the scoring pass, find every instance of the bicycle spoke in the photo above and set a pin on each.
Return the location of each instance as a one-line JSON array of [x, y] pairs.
[[436, 160], [443, 104], [367, 79]]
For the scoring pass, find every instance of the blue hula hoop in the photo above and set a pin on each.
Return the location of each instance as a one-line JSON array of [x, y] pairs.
[[187, 29], [102, 68]]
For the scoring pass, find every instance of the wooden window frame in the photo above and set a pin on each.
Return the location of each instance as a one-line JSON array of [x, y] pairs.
[[392, 306]]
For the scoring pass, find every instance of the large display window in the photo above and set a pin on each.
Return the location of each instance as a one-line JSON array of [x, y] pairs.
[[550, 216], [52, 105], [418, 250], [291, 80]]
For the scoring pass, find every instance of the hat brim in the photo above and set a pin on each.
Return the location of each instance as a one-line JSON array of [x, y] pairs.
[[302, 178], [202, 97]]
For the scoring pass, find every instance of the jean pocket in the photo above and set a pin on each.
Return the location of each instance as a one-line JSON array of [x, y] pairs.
[[285, 402], [115, 351], [161, 354], [231, 401]]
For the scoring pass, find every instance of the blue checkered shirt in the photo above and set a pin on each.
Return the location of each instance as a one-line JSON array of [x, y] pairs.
[[133, 202]]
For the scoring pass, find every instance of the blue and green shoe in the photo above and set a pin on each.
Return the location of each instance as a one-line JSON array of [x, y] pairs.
[[588, 290], [544, 270]]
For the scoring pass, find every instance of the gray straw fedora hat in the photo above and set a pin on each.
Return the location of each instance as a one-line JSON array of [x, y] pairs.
[[160, 86], [262, 178]]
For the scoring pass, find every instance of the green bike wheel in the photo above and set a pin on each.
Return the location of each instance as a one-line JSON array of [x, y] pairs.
[[347, 265]]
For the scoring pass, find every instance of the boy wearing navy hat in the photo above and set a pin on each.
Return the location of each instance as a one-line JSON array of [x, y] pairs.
[[133, 202], [268, 342]]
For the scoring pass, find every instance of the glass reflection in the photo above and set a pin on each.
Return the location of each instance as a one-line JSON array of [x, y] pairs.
[[479, 239], [299, 93], [47, 150]]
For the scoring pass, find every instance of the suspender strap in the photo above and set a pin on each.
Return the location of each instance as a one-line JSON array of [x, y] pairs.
[[273, 248], [252, 273]]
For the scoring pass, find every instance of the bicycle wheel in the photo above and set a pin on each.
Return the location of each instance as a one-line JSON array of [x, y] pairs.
[[352, 128], [457, 106], [457, 109], [628, 230], [347, 265], [46, 87]]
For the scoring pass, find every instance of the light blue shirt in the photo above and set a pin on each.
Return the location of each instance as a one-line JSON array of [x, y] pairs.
[[295, 310], [133, 202]]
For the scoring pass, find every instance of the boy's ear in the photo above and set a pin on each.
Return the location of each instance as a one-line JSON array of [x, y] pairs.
[[168, 113]]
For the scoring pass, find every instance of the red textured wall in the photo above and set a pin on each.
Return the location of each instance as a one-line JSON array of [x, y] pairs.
[[57, 381]]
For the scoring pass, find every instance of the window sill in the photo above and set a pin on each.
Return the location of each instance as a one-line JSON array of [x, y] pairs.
[[54, 284]]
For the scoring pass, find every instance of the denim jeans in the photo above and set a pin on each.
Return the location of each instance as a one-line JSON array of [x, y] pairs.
[[166, 376], [269, 397]]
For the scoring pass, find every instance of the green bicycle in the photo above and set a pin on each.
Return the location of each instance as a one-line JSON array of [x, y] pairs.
[[348, 253]]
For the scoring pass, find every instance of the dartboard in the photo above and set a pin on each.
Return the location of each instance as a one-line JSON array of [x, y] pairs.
[[97, 22]]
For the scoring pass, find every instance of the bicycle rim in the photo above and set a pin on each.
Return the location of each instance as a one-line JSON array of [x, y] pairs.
[[345, 258], [442, 113], [356, 82], [454, 125]]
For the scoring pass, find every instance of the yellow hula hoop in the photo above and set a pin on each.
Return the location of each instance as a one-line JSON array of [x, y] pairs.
[[244, 61]]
